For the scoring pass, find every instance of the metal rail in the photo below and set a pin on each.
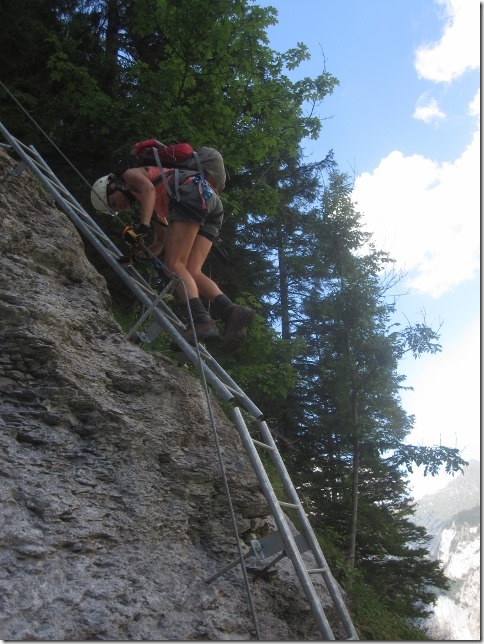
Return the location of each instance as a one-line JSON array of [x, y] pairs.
[[164, 320]]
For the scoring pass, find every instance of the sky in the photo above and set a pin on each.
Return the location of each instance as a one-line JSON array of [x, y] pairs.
[[404, 122]]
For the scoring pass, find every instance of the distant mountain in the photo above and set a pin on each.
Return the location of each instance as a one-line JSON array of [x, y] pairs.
[[452, 517], [461, 493]]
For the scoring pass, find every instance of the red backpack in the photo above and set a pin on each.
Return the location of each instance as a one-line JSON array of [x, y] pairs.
[[207, 161]]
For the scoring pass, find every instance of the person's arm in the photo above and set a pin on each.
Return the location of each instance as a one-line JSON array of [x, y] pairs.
[[136, 180]]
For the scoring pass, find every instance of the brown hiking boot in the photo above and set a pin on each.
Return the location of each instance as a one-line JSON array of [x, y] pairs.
[[237, 322], [206, 332]]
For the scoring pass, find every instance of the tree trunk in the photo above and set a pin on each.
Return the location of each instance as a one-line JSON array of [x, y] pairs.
[[283, 286], [112, 31], [354, 481]]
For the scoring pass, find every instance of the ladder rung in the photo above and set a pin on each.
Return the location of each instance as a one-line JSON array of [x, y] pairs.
[[233, 389], [263, 445], [154, 306]]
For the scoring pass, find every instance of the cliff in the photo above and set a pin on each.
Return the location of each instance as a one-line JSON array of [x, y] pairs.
[[452, 517], [112, 506]]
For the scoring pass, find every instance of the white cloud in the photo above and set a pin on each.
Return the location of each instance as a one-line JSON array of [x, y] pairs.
[[429, 113], [445, 402], [426, 215], [458, 50], [475, 105]]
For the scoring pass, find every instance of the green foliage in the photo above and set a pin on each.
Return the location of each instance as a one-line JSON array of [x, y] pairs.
[[321, 359], [420, 339], [349, 385], [263, 366], [431, 457], [375, 621], [127, 318]]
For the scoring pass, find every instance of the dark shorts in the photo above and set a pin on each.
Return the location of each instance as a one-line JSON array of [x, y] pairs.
[[190, 208]]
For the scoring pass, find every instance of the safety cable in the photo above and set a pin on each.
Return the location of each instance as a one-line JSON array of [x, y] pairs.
[[66, 159], [46, 136], [100, 234], [217, 446], [222, 464], [201, 370]]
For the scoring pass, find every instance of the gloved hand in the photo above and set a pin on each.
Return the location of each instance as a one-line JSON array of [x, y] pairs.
[[134, 235], [142, 229]]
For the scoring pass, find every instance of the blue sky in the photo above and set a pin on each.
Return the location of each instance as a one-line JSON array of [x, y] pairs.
[[405, 121]]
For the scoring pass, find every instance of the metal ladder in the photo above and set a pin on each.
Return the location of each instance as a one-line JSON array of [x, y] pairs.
[[162, 319]]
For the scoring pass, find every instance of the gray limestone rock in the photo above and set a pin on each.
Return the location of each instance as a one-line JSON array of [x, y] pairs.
[[112, 508]]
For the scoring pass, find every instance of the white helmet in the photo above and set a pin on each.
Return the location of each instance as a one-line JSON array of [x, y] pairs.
[[99, 194]]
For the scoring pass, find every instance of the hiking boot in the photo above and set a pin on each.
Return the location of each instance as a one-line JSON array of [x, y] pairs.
[[205, 331], [237, 322]]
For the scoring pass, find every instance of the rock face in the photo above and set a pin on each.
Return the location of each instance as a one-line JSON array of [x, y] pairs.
[[452, 516], [458, 612], [113, 511]]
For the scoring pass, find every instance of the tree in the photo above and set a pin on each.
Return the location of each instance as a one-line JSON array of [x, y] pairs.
[[99, 75], [193, 71], [351, 437]]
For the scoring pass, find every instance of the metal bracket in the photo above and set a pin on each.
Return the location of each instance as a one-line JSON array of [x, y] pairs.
[[263, 548], [272, 544], [15, 172], [19, 168], [151, 334], [155, 328]]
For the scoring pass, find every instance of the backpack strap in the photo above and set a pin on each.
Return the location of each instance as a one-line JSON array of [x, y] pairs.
[[163, 176], [165, 180], [199, 164], [177, 185]]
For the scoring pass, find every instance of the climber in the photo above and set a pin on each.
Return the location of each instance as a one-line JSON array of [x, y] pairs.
[[186, 228]]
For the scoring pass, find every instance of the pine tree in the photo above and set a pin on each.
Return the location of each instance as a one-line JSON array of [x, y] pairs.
[[351, 438]]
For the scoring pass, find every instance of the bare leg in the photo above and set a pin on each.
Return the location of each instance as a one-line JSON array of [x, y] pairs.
[[200, 249], [178, 245], [185, 254], [237, 318]]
